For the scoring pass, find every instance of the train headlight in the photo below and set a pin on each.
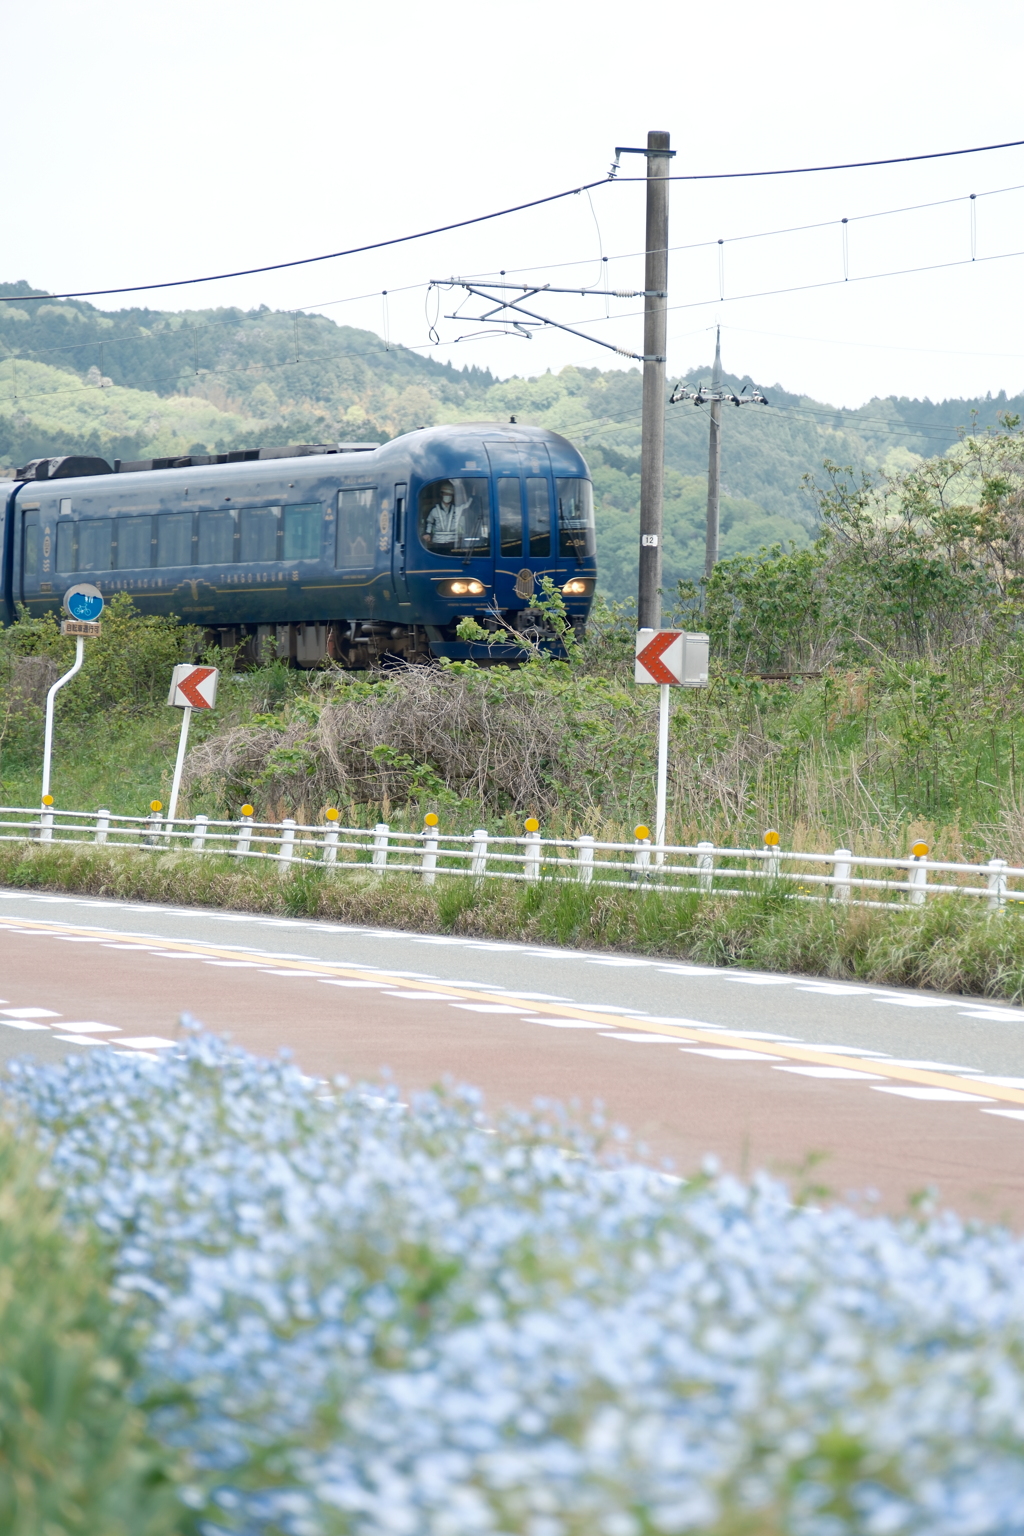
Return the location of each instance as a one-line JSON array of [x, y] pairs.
[[575, 588], [465, 588]]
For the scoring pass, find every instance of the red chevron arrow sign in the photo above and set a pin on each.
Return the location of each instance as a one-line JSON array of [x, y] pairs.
[[659, 656], [193, 687]]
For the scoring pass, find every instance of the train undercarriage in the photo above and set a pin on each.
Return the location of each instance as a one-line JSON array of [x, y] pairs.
[[360, 644]]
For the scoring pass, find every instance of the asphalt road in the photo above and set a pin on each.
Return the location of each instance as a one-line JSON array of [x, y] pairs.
[[859, 1088]]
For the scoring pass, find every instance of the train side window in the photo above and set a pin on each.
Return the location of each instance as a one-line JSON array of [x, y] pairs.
[[95, 538], [538, 511], [357, 529], [65, 546], [174, 538], [258, 540], [510, 516], [134, 543], [216, 538], [575, 518], [455, 517], [30, 548], [302, 529]]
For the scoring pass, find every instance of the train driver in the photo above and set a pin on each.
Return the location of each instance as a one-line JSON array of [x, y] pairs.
[[443, 527]]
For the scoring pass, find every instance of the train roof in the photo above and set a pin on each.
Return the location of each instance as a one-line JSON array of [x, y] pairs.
[[426, 446]]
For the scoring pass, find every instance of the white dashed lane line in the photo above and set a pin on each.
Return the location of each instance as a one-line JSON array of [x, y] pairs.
[[523, 1005]]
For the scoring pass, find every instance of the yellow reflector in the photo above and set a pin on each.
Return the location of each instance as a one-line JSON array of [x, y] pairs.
[[641, 832], [47, 799], [431, 819], [771, 838], [156, 805], [920, 850], [532, 824], [247, 810], [332, 814]]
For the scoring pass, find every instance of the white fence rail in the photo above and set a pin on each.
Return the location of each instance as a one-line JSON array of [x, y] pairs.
[[839, 876]]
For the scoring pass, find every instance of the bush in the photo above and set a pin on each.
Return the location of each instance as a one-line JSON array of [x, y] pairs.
[[74, 1457], [373, 1319]]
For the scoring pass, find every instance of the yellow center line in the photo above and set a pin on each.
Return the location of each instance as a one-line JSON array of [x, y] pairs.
[[806, 1055]]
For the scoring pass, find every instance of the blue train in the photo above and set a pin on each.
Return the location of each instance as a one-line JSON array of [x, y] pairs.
[[362, 553]]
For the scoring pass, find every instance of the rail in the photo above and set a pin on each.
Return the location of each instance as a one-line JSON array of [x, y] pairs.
[[639, 865]]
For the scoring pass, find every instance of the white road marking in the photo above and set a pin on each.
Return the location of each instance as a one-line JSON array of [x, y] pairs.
[[758, 981], [488, 1008], [80, 1039], [926, 1066], [421, 997], [247, 965], [563, 1023], [845, 1073], [1000, 1082], [22, 1024], [147, 1043], [638, 1039], [331, 981], [935, 1095], [29, 1013], [913, 1002], [843, 1050], [830, 988], [89, 1028], [730, 1053], [268, 972], [1007, 1114]]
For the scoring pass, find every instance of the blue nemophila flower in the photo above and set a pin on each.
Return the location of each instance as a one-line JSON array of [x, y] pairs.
[[384, 1322]]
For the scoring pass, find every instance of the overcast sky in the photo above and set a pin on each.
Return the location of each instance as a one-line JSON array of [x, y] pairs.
[[148, 142]]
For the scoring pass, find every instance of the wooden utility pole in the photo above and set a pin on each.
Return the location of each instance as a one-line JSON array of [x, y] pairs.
[[714, 460], [652, 451]]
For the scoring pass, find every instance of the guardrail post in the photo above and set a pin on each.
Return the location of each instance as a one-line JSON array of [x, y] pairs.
[[478, 860], [244, 839], [46, 820], [842, 865], [331, 845], [531, 866], [380, 845], [585, 859], [705, 865], [102, 825], [287, 848], [641, 859], [997, 885], [428, 864], [199, 834], [918, 882], [154, 822]]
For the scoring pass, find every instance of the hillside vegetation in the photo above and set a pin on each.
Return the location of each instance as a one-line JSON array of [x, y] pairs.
[[144, 382]]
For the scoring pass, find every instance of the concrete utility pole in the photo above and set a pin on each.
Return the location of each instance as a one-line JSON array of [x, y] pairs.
[[714, 459], [652, 451], [714, 397]]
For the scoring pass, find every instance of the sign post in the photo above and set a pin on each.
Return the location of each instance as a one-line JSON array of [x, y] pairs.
[[671, 658], [83, 604], [192, 687]]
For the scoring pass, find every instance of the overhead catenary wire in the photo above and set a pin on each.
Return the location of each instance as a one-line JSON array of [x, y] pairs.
[[482, 218]]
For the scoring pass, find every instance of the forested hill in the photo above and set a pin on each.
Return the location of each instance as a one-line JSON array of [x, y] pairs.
[[141, 382]]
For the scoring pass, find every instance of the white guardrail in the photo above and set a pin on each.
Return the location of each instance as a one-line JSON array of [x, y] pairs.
[[637, 865]]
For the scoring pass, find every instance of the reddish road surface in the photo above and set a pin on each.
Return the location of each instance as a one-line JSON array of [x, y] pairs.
[[898, 1091]]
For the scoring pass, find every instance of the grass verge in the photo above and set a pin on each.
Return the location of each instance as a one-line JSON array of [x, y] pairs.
[[949, 945]]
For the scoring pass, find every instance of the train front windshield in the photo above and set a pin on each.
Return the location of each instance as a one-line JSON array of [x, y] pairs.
[[455, 517]]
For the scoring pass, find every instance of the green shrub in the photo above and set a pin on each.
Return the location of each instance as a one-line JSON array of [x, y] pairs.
[[74, 1457]]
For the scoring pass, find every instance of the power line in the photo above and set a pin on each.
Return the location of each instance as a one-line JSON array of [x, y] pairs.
[[554, 197], [303, 261], [850, 165]]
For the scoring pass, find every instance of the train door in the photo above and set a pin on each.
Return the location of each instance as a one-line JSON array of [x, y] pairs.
[[399, 579], [524, 512]]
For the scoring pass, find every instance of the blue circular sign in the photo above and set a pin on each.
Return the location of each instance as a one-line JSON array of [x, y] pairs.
[[84, 602]]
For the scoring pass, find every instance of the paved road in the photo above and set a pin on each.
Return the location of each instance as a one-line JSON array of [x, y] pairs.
[[899, 1090]]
